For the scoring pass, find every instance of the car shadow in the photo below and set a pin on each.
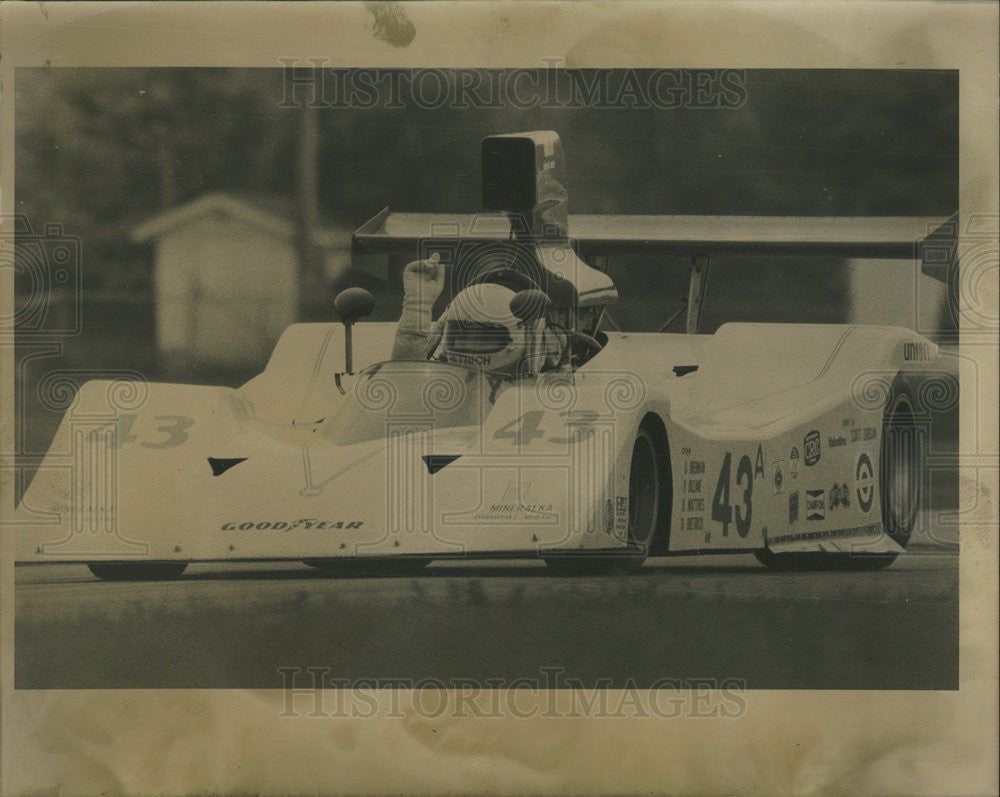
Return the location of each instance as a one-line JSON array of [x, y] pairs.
[[451, 570]]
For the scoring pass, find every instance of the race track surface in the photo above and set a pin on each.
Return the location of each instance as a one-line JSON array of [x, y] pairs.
[[234, 625]]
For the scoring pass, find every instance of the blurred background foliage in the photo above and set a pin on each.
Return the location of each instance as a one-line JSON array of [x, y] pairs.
[[101, 150]]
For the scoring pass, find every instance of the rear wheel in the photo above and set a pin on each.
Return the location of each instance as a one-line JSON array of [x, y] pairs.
[[645, 508], [901, 475], [137, 571]]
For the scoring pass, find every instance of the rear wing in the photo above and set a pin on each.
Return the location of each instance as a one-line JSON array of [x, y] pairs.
[[594, 239], [895, 237]]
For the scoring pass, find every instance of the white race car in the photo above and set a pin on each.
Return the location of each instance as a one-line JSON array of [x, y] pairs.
[[802, 444]]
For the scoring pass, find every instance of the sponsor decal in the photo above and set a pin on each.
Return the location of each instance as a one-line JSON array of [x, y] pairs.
[[864, 482], [793, 507], [307, 524], [811, 447], [621, 513], [863, 434], [692, 485], [520, 508], [835, 442], [758, 467], [694, 466], [840, 495], [916, 352], [525, 513], [521, 512], [609, 517], [693, 524], [872, 530], [779, 476], [815, 504], [793, 462], [694, 505]]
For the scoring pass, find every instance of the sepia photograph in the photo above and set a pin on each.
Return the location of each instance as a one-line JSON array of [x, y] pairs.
[[555, 391], [649, 326]]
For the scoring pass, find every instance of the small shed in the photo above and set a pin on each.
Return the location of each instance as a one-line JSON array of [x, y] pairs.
[[227, 279]]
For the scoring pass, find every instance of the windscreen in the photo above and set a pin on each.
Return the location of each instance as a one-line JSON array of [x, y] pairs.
[[411, 394], [774, 289]]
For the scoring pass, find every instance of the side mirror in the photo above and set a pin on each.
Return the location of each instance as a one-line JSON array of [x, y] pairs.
[[530, 305], [352, 304]]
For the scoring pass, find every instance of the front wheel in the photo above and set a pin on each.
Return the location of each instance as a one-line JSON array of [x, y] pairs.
[[137, 571], [645, 508]]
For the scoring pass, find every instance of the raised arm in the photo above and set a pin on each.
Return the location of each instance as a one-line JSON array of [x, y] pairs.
[[423, 281]]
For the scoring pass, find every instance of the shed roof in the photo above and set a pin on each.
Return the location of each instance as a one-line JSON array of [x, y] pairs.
[[272, 213]]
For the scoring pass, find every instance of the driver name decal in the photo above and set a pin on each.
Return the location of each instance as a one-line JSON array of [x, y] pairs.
[[470, 359]]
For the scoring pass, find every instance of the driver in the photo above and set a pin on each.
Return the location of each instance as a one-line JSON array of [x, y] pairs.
[[477, 329]]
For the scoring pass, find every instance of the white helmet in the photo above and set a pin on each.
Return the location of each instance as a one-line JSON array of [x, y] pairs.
[[481, 331]]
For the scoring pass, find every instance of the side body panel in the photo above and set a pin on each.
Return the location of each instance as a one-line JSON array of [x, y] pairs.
[[785, 456], [811, 488], [190, 473]]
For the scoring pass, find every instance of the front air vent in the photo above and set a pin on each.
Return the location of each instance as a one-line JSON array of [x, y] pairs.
[[436, 462], [221, 465]]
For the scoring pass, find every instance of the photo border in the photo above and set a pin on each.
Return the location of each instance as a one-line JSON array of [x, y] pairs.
[[787, 742]]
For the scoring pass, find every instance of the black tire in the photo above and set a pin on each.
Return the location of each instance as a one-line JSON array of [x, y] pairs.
[[137, 571], [369, 566], [645, 509], [901, 474]]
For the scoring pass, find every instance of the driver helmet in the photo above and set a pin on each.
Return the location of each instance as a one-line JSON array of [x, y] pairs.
[[481, 331]]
